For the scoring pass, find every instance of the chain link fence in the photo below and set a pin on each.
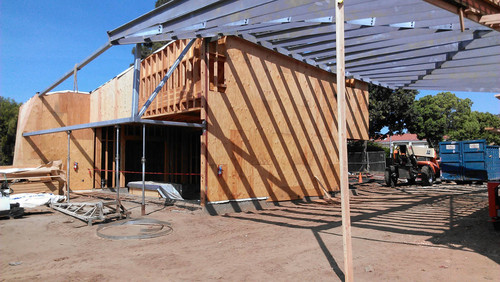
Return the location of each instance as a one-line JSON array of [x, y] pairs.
[[371, 162]]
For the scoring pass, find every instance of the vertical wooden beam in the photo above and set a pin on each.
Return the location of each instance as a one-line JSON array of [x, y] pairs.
[[106, 156], [97, 157], [342, 141], [204, 137], [461, 17]]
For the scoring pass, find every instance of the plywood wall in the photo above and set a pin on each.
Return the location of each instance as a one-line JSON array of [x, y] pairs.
[[274, 128], [113, 100], [52, 111]]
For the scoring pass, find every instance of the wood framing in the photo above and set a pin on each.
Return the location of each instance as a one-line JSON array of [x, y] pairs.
[[181, 95]]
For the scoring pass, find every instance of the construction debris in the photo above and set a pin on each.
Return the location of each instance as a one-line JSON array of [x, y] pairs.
[[91, 212], [31, 200], [142, 228], [47, 178]]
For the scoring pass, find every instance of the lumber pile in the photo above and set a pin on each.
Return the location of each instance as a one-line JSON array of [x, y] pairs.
[[47, 178]]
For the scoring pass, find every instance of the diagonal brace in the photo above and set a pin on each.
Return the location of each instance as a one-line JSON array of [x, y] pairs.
[[165, 78]]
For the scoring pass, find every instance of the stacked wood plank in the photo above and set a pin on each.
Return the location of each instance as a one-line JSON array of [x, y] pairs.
[[48, 178]]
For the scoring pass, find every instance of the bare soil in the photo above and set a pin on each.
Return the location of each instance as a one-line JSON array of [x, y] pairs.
[[408, 233]]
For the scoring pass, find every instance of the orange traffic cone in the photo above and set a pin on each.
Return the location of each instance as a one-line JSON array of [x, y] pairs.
[[360, 179]]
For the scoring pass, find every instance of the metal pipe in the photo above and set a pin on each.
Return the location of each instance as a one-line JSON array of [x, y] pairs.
[[143, 161], [165, 78], [68, 166], [117, 168], [78, 67], [137, 72]]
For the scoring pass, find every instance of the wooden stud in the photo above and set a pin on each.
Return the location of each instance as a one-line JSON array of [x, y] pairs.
[[97, 158], [342, 140], [204, 136], [461, 16]]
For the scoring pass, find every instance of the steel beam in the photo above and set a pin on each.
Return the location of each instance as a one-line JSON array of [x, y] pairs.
[[465, 88], [111, 123], [465, 69], [402, 69], [170, 123], [383, 76], [117, 168], [80, 126], [402, 56], [78, 67], [486, 60], [392, 64], [463, 75], [167, 12], [68, 165], [136, 82], [143, 162], [451, 38]]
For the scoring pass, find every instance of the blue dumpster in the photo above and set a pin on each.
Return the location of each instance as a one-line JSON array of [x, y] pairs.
[[451, 160], [471, 160]]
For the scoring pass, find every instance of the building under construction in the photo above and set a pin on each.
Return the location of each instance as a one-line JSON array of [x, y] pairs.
[[234, 121]]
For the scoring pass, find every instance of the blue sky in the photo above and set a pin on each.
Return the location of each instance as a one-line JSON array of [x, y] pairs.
[[42, 40]]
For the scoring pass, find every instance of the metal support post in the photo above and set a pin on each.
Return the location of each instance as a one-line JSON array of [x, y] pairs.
[[117, 167], [143, 161], [342, 141], [68, 166], [165, 78], [137, 72]]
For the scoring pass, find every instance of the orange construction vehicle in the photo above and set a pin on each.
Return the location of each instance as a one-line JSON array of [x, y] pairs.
[[412, 163]]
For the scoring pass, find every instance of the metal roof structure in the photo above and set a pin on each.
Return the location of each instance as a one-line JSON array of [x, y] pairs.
[[408, 44]]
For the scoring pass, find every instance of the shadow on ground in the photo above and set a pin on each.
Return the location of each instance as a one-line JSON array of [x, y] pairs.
[[448, 215]]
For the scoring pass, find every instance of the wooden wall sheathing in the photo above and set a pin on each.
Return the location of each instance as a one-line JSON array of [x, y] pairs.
[[182, 92], [113, 99], [52, 111], [274, 128]]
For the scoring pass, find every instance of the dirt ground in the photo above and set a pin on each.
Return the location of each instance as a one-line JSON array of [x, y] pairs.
[[409, 233]]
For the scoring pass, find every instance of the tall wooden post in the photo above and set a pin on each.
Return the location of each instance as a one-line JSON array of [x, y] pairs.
[[342, 141], [204, 118]]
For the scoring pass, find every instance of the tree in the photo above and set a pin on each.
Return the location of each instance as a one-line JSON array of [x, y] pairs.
[[9, 110], [444, 114], [486, 120], [392, 110], [149, 48]]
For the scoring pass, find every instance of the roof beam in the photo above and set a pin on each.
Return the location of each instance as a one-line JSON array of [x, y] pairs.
[[79, 66], [164, 13], [456, 9], [128, 120], [376, 69]]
